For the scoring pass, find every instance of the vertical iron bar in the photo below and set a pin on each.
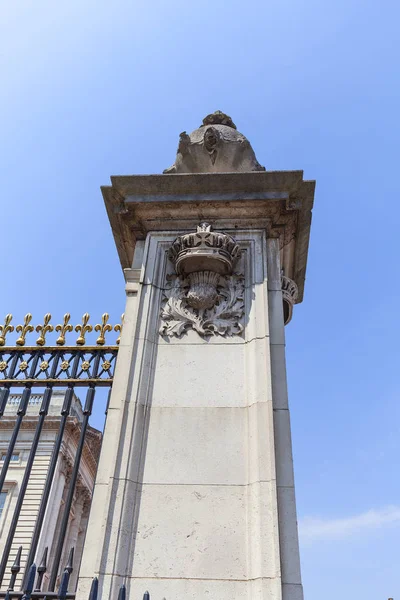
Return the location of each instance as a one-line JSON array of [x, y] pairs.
[[30, 582], [70, 562], [63, 589], [4, 399], [42, 568], [94, 589], [122, 592], [15, 569], [44, 408], [23, 405], [108, 400], [34, 364], [50, 475], [6, 391], [87, 411]]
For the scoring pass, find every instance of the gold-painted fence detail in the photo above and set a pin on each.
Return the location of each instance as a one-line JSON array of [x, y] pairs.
[[64, 328]]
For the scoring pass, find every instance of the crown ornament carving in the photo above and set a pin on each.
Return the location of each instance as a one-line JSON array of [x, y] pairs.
[[206, 295], [202, 257], [204, 250]]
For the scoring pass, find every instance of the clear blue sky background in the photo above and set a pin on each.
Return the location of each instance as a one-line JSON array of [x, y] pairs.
[[95, 88]]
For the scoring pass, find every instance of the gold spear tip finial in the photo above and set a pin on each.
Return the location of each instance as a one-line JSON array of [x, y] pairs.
[[24, 329], [4, 329]]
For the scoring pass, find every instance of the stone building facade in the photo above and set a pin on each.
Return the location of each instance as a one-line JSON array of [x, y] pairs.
[[83, 492]]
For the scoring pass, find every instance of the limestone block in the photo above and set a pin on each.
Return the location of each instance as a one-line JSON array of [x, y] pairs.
[[274, 266], [283, 448], [288, 535], [260, 443], [188, 589], [197, 446], [191, 532], [292, 591], [276, 324], [257, 372], [262, 531], [120, 526], [199, 376], [124, 453], [278, 376], [96, 532], [264, 588]]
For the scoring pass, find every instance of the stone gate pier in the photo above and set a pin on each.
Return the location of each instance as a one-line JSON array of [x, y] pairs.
[[194, 495]]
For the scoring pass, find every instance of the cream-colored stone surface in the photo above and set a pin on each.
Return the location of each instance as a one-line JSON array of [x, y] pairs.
[[276, 329], [288, 535], [260, 450], [209, 445], [283, 447], [278, 376], [192, 589], [262, 532], [258, 589], [199, 376], [191, 532], [186, 501], [206, 446], [292, 591]]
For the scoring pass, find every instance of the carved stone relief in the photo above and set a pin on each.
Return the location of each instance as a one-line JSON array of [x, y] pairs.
[[205, 294], [290, 294], [215, 147], [223, 318]]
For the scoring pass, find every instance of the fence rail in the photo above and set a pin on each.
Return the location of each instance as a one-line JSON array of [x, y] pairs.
[[62, 593]]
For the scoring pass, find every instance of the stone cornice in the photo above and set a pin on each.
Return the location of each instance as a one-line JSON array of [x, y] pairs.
[[278, 201]]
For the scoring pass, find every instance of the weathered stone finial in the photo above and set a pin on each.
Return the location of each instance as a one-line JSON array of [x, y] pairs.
[[215, 147], [218, 118]]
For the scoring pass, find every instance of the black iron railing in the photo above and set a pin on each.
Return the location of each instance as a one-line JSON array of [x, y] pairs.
[[47, 367], [36, 574]]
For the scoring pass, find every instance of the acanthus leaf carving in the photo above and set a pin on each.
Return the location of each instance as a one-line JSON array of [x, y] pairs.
[[223, 318]]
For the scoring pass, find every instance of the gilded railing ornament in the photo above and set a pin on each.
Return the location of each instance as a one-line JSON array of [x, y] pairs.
[[24, 329], [66, 363], [4, 329], [84, 329], [44, 329], [63, 329], [118, 327], [102, 329]]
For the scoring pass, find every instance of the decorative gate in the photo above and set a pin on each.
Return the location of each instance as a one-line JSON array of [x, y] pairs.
[[46, 367]]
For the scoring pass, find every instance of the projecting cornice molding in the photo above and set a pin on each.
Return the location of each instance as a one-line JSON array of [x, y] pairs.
[[278, 201]]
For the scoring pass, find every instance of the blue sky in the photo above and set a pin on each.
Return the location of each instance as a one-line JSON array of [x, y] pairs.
[[95, 88]]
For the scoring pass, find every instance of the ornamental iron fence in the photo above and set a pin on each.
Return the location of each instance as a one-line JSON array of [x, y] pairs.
[[51, 416]]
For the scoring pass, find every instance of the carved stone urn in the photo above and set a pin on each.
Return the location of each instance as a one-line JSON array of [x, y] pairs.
[[215, 147], [202, 257]]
